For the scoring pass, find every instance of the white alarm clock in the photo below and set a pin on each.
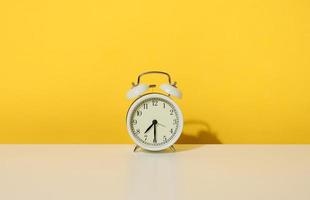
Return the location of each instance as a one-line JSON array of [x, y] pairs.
[[154, 120]]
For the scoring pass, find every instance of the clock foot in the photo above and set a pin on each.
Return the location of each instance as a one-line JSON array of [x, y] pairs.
[[172, 148], [135, 149]]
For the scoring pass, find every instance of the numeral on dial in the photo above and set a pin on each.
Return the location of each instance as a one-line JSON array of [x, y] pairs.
[[171, 112], [134, 122], [145, 106], [155, 102], [139, 112], [137, 131]]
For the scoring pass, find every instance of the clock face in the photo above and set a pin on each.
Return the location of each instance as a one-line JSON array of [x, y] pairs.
[[154, 122]]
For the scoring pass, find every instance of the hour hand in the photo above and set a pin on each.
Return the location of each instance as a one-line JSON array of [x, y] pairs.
[[149, 128]]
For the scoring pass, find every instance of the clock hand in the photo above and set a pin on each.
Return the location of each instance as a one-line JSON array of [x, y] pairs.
[[149, 128], [161, 125], [155, 139]]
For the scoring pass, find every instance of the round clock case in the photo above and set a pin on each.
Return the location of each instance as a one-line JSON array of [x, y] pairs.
[[166, 113]]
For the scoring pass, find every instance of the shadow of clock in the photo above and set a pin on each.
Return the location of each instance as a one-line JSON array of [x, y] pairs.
[[197, 132], [194, 132]]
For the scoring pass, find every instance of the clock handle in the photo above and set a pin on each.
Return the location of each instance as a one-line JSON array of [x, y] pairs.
[[138, 89], [155, 72]]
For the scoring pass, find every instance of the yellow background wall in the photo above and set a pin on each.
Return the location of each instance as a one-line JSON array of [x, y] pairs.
[[243, 66]]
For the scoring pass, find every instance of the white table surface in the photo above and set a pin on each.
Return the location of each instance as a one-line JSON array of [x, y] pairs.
[[64, 172]]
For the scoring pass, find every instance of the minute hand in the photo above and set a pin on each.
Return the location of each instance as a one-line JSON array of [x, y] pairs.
[[155, 139]]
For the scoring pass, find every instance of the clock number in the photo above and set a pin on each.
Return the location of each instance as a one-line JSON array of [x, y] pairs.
[[155, 102], [171, 112], [164, 105], [145, 137], [134, 122], [171, 130], [139, 112], [174, 121], [165, 138], [145, 106]]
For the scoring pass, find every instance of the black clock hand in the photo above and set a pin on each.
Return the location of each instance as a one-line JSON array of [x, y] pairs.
[[149, 128], [155, 139]]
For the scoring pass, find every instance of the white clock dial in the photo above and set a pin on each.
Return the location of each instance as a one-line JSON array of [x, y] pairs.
[[154, 122]]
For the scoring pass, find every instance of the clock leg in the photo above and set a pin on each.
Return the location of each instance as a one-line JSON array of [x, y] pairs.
[[172, 148], [135, 149]]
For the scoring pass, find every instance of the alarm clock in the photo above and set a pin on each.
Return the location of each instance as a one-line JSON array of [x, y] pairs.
[[154, 120]]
